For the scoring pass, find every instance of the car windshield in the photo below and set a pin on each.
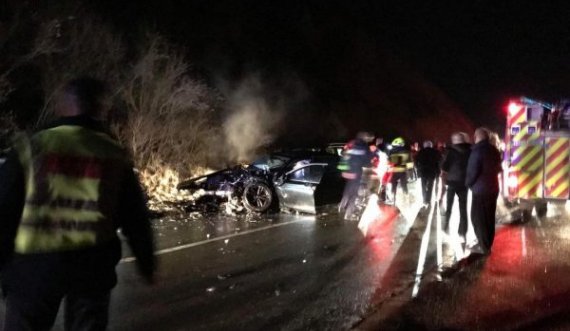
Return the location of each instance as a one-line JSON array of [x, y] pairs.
[[270, 161]]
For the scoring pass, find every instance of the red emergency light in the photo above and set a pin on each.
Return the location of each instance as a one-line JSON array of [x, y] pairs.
[[514, 108]]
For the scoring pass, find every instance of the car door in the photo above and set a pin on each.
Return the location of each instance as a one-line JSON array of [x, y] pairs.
[[298, 189], [330, 188]]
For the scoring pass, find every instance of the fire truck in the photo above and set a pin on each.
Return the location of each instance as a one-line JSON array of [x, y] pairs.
[[536, 156]]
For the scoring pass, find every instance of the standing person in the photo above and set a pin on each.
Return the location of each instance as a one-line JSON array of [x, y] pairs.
[[483, 169], [356, 156], [65, 191], [454, 169], [372, 179], [383, 173], [399, 156], [427, 163]]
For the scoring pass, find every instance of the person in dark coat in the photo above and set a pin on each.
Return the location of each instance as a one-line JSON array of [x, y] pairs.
[[64, 192], [454, 169], [357, 155], [427, 164], [483, 169]]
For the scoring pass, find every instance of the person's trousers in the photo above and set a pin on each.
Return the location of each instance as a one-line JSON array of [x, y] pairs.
[[82, 311], [35, 285], [403, 179], [349, 196], [427, 188], [483, 208], [461, 192]]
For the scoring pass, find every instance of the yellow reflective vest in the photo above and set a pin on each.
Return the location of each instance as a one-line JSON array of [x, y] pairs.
[[71, 188], [399, 159]]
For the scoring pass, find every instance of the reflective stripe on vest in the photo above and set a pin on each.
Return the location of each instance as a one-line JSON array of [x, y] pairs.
[[399, 161], [66, 169]]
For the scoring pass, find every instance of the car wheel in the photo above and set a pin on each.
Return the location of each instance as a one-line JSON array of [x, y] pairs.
[[257, 197]]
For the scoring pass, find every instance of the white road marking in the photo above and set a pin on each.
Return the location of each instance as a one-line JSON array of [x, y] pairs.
[[439, 239], [423, 253], [438, 228], [203, 242]]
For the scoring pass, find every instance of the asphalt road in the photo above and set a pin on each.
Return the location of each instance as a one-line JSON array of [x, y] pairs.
[[284, 271]]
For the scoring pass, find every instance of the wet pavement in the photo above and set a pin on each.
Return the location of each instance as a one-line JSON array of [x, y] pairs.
[[286, 272], [303, 272], [523, 285]]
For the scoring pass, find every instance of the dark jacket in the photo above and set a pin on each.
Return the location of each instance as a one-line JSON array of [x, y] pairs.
[[427, 162], [483, 169], [455, 164], [359, 156], [132, 218]]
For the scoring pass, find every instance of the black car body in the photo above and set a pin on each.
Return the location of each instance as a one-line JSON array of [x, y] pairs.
[[301, 180]]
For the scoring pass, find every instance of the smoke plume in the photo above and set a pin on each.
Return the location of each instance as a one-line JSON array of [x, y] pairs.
[[254, 120]]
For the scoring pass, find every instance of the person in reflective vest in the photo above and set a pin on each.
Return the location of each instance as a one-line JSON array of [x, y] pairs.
[[65, 191], [399, 156]]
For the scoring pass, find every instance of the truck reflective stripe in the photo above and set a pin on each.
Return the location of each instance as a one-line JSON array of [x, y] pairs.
[[523, 134], [532, 153], [538, 163], [556, 162], [518, 116], [562, 190], [557, 174], [530, 187]]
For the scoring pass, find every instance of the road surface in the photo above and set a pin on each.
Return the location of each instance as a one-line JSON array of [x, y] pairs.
[[285, 271]]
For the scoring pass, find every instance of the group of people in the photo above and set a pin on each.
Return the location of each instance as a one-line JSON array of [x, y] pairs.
[[461, 166], [67, 188], [464, 167]]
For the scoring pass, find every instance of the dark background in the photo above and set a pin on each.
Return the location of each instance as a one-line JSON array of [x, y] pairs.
[[419, 69]]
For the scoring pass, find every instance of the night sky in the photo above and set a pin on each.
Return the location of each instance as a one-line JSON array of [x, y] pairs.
[[391, 67]]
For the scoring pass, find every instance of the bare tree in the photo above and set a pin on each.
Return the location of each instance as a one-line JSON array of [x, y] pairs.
[[170, 124], [165, 116], [69, 47]]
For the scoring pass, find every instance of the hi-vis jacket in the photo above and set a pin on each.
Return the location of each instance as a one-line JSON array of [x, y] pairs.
[[399, 157], [65, 169], [77, 188]]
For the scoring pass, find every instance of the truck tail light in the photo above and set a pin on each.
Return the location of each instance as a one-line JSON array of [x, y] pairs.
[[514, 108]]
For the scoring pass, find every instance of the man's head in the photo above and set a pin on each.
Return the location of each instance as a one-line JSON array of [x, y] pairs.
[[427, 144], [82, 96], [481, 134], [367, 137], [458, 138]]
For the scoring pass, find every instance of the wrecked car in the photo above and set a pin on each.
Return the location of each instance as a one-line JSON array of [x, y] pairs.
[[298, 180]]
